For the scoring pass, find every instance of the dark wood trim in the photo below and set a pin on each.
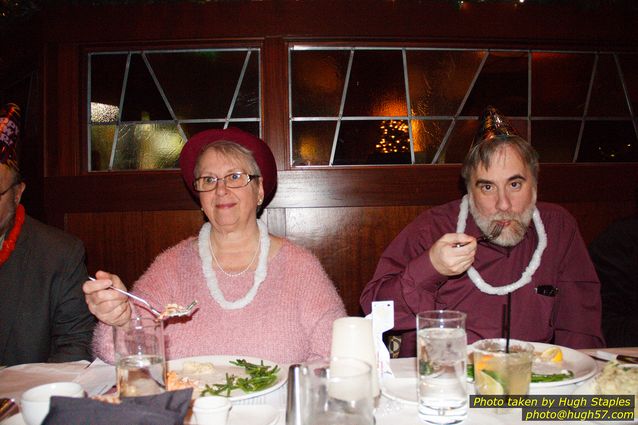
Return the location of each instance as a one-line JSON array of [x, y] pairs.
[[316, 188], [407, 20]]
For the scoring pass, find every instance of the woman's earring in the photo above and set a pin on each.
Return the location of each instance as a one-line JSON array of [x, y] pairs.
[[201, 208], [259, 202]]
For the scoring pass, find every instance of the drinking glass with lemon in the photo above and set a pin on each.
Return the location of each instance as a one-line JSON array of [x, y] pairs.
[[498, 371]]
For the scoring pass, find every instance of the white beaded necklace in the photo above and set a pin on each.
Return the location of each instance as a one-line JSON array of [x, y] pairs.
[[529, 271], [205, 251]]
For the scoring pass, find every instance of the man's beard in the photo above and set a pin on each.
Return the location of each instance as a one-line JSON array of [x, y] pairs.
[[512, 234]]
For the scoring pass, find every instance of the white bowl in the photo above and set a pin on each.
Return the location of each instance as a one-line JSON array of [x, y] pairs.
[[34, 403], [211, 410]]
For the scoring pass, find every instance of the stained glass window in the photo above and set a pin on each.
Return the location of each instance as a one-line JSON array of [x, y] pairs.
[[393, 105], [144, 105]]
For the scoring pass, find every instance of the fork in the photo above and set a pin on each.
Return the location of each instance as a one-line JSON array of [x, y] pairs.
[[185, 311], [494, 233], [8, 407]]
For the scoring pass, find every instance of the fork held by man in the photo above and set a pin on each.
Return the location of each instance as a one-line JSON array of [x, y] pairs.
[[494, 233]]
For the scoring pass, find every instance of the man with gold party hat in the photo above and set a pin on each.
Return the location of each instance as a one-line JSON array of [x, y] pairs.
[[43, 316], [442, 259]]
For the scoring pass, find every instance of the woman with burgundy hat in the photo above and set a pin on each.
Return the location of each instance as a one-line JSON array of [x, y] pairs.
[[259, 295]]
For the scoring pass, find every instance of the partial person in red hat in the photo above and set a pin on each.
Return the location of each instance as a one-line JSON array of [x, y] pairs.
[[43, 316], [536, 262], [259, 295]]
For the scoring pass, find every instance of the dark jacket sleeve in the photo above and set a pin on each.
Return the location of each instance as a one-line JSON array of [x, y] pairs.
[[615, 256], [72, 323]]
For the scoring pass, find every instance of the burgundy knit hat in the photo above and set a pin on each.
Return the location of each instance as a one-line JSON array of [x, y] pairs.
[[260, 150]]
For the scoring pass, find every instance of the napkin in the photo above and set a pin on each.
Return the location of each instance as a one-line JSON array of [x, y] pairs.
[[169, 408], [382, 317]]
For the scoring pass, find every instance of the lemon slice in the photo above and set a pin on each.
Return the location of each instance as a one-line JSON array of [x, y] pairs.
[[552, 354], [486, 385]]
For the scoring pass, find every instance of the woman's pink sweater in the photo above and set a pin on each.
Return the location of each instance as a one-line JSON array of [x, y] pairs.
[[289, 320]]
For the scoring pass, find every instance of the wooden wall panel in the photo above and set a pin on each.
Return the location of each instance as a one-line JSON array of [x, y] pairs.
[[348, 241], [125, 243], [113, 241]]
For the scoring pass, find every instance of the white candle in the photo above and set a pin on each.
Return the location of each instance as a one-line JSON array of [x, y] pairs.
[[352, 337]]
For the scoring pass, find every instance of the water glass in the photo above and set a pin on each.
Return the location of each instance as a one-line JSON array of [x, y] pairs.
[[352, 337], [139, 357], [497, 372], [337, 391], [442, 359]]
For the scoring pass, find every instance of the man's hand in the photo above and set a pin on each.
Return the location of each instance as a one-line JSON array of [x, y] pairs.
[[107, 305], [449, 260]]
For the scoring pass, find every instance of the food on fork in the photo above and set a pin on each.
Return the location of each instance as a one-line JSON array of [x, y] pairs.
[[169, 310]]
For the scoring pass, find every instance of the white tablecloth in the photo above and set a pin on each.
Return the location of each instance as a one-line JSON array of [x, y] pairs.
[[15, 380]]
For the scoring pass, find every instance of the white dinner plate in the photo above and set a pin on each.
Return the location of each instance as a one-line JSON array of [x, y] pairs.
[[222, 367], [255, 414], [14, 420], [584, 367], [588, 388]]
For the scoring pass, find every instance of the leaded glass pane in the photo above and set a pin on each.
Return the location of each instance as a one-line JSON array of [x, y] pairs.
[[560, 82], [192, 128], [101, 146], [206, 83], [312, 142], [168, 97], [459, 142], [247, 104], [607, 97], [629, 67], [317, 79], [555, 141], [147, 146], [376, 86], [427, 136], [502, 84], [364, 142], [142, 100], [440, 79], [608, 141], [107, 76]]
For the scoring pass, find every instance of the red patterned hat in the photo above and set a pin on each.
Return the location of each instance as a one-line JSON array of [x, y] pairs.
[[9, 134]]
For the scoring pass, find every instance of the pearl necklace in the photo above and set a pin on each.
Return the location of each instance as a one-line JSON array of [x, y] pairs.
[[210, 246], [529, 271], [205, 251]]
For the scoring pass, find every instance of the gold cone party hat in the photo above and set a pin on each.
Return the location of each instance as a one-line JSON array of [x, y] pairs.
[[493, 124], [9, 134]]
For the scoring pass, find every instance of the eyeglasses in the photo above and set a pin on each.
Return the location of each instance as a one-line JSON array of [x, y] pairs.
[[232, 181]]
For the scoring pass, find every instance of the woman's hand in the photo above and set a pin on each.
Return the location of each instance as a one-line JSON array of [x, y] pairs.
[[107, 305], [450, 260]]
